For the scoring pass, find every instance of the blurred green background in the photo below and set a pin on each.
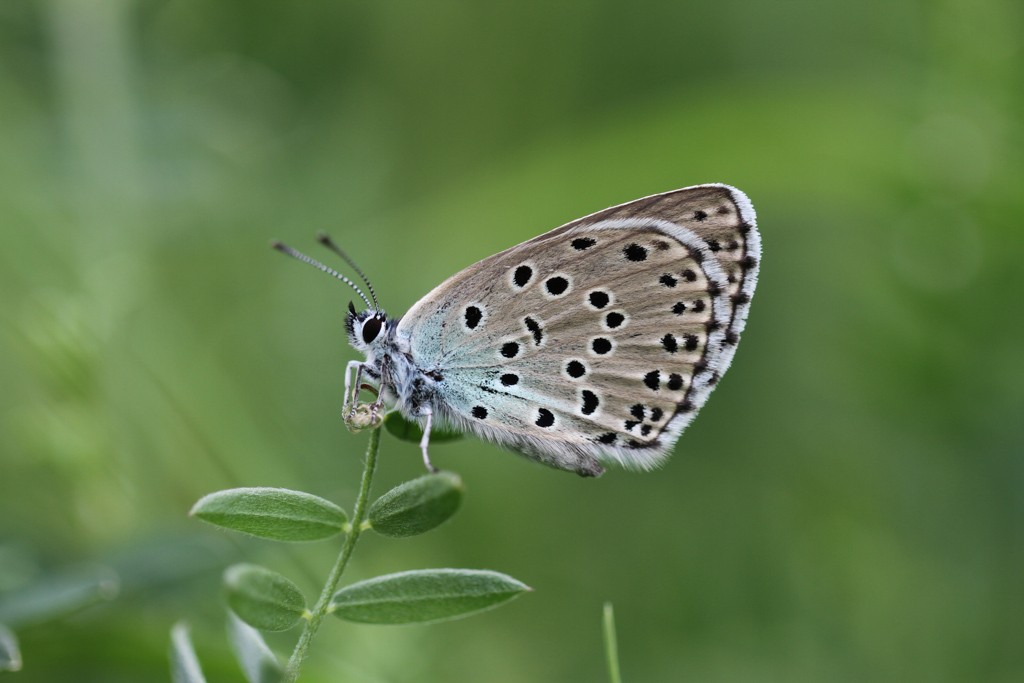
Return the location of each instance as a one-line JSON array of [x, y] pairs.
[[849, 505]]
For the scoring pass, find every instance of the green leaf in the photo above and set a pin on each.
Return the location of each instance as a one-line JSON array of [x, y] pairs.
[[257, 661], [10, 655], [58, 595], [262, 598], [184, 663], [278, 514], [424, 596], [417, 506], [405, 430]]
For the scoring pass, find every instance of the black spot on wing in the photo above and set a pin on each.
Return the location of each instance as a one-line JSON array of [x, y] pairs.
[[601, 346], [590, 402], [599, 299], [534, 328], [653, 380], [556, 285], [473, 316], [634, 252], [521, 276]]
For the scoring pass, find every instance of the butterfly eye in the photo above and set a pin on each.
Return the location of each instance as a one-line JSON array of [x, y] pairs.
[[371, 328]]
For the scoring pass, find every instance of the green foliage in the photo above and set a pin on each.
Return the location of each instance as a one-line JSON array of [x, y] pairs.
[[48, 597], [278, 514], [59, 594], [10, 655], [263, 598], [424, 596], [405, 430], [417, 506], [258, 663], [184, 663]]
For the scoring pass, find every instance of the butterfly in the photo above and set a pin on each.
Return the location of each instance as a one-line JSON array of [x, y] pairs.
[[597, 342]]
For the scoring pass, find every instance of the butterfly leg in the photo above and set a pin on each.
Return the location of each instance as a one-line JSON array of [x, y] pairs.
[[379, 402], [348, 406], [351, 400], [425, 441]]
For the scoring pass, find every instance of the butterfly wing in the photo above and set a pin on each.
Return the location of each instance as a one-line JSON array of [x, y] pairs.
[[600, 340]]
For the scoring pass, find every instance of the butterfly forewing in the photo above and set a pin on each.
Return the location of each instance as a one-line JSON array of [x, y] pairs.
[[600, 339]]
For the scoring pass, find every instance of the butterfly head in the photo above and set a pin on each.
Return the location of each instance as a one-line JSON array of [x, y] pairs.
[[366, 329]]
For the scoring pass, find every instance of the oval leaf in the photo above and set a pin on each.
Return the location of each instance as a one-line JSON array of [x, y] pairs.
[[278, 514], [405, 430], [424, 596], [184, 663], [262, 598], [417, 506], [257, 661]]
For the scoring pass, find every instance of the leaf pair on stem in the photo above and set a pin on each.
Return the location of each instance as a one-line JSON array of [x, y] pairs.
[[268, 601]]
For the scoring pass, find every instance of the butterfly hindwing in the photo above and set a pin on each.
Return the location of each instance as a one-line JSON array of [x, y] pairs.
[[600, 339]]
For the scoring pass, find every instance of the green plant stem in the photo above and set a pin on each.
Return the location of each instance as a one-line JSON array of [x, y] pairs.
[[319, 610], [611, 647]]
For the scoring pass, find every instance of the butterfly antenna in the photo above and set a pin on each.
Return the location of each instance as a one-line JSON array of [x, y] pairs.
[[285, 249], [325, 239]]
